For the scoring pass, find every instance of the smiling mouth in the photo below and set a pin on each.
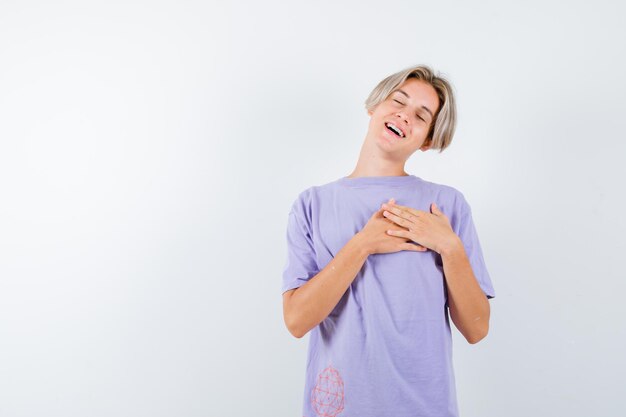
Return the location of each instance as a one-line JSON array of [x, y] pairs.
[[394, 129]]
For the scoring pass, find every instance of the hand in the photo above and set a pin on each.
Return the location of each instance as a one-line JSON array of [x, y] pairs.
[[431, 230], [377, 240]]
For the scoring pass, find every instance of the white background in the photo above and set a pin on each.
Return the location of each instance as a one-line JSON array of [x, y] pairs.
[[150, 152]]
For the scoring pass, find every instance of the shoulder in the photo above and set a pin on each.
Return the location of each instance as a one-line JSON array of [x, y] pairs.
[[310, 196], [447, 196], [305, 203], [305, 197]]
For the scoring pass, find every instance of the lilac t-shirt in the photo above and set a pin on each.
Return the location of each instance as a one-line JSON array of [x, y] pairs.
[[386, 348]]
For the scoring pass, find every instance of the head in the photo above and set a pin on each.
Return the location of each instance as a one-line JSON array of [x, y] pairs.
[[407, 99]]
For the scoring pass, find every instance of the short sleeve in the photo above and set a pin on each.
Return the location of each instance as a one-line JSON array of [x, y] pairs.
[[301, 264], [467, 232]]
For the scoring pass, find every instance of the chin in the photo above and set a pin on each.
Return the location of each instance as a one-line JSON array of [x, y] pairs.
[[383, 141], [387, 147], [383, 138]]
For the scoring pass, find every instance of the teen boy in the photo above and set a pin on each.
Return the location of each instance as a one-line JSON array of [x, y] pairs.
[[378, 259]]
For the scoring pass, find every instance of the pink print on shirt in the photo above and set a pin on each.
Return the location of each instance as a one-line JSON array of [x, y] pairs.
[[327, 394]]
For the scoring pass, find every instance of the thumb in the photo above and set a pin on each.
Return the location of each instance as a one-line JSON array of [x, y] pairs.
[[390, 201], [434, 209]]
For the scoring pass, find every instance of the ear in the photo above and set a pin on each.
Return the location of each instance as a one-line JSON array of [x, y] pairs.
[[426, 145], [369, 112]]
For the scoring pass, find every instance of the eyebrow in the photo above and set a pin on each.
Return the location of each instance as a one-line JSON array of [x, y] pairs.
[[424, 107]]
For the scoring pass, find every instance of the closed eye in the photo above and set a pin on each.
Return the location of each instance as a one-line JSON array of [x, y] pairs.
[[399, 102]]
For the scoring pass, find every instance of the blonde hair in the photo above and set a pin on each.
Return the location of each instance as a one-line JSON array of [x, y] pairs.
[[444, 124]]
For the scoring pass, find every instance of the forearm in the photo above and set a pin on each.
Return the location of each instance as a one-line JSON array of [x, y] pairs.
[[312, 302], [469, 307]]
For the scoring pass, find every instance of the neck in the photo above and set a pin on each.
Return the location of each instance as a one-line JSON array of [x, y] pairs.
[[372, 163]]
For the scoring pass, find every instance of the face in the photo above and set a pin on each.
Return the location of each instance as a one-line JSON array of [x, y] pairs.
[[410, 111]]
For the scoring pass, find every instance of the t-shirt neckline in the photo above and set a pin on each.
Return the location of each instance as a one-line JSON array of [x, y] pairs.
[[388, 180]]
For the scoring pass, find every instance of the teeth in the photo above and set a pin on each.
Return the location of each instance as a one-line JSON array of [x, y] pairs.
[[395, 129]]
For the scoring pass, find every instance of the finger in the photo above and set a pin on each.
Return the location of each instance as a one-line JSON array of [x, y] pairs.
[[437, 212], [397, 219], [396, 210], [389, 203], [410, 220], [404, 233], [413, 247], [378, 214], [411, 210]]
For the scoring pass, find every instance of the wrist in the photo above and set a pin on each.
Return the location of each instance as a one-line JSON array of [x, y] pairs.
[[452, 246], [360, 243]]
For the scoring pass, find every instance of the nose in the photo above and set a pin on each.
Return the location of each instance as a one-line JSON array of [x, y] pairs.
[[403, 118]]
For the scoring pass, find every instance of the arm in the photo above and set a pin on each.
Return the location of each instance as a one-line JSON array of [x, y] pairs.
[[306, 306], [469, 307]]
